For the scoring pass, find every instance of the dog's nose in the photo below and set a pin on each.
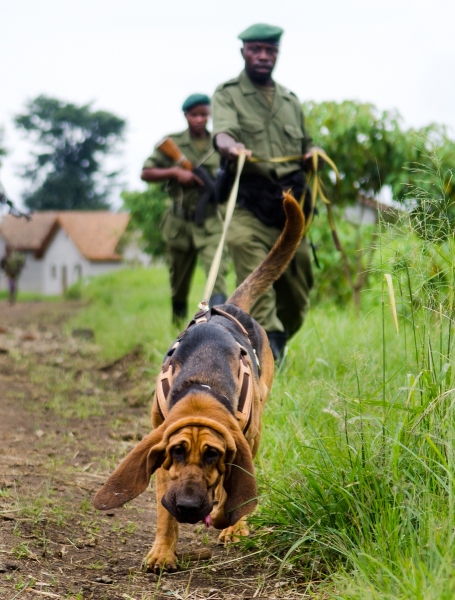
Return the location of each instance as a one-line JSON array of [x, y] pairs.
[[188, 505]]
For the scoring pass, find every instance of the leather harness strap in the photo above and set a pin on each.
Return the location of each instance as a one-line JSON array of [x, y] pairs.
[[245, 404]]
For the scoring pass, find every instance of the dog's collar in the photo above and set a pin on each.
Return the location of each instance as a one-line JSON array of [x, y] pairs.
[[244, 409]]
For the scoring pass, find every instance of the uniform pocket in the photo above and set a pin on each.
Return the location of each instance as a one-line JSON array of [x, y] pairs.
[[294, 139], [253, 136]]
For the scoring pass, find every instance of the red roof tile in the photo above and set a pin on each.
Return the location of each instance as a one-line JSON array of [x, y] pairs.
[[95, 233]]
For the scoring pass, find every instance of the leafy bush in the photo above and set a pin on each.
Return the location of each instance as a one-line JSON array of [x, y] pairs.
[[371, 148], [147, 209]]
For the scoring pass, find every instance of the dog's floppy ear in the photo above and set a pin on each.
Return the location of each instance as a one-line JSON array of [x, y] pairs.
[[240, 482], [133, 474]]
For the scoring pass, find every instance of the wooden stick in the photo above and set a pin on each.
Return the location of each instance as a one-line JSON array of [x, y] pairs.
[[193, 555]]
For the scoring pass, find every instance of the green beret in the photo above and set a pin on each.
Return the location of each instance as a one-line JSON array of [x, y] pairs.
[[195, 100], [262, 33]]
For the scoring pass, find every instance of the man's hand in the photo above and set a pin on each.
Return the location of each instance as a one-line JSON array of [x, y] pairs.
[[307, 160], [229, 148], [183, 176], [187, 178]]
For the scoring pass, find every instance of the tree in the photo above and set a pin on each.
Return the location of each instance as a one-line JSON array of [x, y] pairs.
[[146, 209], [67, 172], [371, 148]]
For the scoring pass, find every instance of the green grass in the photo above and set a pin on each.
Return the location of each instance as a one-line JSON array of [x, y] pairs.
[[356, 466], [30, 297], [132, 307], [127, 308]]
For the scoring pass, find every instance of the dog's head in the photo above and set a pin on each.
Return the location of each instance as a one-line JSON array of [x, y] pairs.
[[198, 452]]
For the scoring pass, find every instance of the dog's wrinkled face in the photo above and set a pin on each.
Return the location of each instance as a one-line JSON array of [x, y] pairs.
[[195, 459]]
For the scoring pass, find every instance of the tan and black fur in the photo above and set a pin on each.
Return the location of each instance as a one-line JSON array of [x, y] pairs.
[[203, 460]]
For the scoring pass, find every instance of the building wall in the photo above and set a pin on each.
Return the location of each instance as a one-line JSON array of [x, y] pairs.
[[31, 276], [360, 214], [62, 266], [65, 265]]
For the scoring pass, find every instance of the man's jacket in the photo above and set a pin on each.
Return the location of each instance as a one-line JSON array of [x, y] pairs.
[[241, 110], [186, 197]]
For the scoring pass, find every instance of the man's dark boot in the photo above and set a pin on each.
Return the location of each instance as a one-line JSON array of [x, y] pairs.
[[179, 310], [277, 341], [217, 299]]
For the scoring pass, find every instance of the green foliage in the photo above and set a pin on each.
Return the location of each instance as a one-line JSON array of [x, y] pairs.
[[146, 210], [358, 242], [137, 300], [365, 143], [371, 148], [428, 170], [66, 173], [366, 428]]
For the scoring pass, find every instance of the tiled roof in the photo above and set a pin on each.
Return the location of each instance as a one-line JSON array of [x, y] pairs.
[[32, 235], [95, 233]]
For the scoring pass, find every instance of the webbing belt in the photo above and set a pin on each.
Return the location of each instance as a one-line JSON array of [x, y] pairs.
[[245, 404]]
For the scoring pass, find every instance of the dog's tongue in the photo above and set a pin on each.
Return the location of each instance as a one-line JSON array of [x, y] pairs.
[[207, 520]]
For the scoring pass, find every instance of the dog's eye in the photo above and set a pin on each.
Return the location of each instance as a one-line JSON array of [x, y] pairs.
[[211, 455], [178, 452]]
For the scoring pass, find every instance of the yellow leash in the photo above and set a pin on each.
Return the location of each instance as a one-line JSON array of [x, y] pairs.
[[204, 304], [317, 189]]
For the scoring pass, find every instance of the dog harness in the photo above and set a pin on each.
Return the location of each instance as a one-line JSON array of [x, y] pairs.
[[245, 376]]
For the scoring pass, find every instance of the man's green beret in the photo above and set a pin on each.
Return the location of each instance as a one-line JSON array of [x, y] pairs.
[[195, 100], [262, 33]]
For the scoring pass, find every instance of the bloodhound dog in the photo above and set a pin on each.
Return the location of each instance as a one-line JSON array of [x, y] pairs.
[[206, 415]]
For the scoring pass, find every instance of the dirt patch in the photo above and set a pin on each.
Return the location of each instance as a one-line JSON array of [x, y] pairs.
[[67, 419]]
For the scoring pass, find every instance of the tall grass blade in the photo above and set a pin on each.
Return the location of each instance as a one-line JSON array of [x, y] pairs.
[[393, 305]]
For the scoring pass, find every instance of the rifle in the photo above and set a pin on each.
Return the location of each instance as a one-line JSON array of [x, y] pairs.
[[207, 194], [170, 149]]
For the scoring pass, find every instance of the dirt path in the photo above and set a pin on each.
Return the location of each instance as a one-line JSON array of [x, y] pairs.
[[66, 421]]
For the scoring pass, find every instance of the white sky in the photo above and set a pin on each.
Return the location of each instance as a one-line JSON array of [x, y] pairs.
[[141, 58]]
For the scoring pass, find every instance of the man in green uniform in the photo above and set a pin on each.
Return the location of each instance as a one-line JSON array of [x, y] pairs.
[[253, 113], [192, 227]]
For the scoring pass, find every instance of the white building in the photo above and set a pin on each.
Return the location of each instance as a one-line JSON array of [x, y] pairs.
[[366, 211], [62, 247]]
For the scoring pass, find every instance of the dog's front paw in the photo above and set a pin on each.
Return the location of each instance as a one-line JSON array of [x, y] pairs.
[[161, 558], [234, 533]]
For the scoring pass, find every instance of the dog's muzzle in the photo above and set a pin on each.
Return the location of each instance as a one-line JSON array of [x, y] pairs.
[[187, 505]]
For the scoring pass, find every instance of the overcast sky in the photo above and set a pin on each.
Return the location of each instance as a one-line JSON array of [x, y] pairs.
[[141, 58]]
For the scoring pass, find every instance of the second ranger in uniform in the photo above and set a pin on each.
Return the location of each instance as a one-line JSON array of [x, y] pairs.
[[192, 226]]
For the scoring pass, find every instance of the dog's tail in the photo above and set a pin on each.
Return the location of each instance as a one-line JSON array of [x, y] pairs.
[[276, 260]]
